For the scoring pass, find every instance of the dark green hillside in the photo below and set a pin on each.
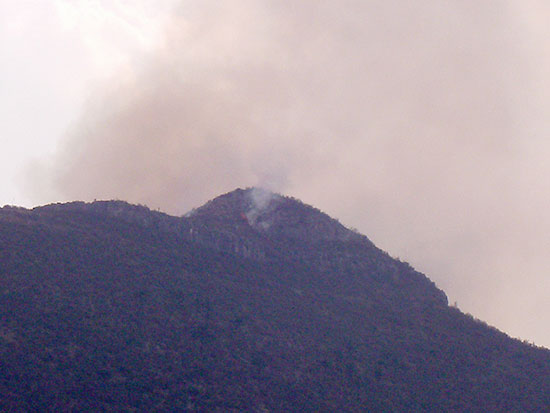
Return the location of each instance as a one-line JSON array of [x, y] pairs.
[[253, 302]]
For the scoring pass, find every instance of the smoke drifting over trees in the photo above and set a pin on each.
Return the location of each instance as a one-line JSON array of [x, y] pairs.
[[422, 123]]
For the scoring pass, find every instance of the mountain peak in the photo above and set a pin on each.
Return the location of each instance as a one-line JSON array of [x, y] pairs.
[[237, 202], [271, 213]]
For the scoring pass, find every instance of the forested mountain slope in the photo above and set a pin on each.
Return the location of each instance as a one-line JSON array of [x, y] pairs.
[[253, 302]]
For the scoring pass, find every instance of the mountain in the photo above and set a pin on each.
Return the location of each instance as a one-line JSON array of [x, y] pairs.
[[252, 302]]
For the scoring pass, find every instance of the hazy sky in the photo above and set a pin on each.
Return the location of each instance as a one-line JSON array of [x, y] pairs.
[[424, 124]]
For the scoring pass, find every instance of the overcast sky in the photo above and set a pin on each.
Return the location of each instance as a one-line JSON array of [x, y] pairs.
[[424, 124]]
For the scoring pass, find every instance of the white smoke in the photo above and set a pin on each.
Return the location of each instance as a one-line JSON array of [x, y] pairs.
[[424, 124], [261, 201]]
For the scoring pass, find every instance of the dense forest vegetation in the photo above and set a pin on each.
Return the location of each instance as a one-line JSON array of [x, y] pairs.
[[239, 306]]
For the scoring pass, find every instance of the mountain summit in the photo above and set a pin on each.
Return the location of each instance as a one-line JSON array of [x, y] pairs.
[[252, 302], [274, 214], [274, 229]]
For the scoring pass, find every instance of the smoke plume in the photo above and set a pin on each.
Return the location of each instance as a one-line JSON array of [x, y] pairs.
[[424, 124]]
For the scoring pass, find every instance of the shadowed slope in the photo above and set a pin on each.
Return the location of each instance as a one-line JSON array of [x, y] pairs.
[[252, 302]]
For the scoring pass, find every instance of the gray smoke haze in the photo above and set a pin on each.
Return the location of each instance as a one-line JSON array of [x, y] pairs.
[[424, 124]]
